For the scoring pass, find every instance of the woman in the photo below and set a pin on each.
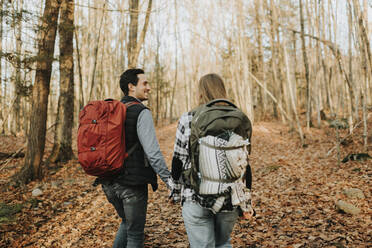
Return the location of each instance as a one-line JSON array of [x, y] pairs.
[[209, 219]]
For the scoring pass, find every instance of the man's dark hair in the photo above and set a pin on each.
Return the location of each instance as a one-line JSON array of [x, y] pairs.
[[129, 77]]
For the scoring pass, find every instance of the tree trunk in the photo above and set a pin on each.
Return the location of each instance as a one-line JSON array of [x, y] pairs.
[[282, 96], [262, 101], [366, 67], [364, 117], [81, 91], [18, 82], [291, 93], [62, 150], [296, 73], [306, 64], [364, 41], [274, 73], [350, 54], [176, 63], [133, 31], [157, 79], [95, 57], [32, 168], [2, 100], [368, 92], [326, 75], [318, 79], [5, 95], [134, 45]]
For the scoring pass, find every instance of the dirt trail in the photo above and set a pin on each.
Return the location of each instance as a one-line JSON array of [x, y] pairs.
[[295, 190]]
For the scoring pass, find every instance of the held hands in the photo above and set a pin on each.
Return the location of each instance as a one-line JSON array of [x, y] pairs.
[[175, 196], [175, 190]]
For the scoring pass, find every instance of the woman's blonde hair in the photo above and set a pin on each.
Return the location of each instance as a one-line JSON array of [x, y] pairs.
[[211, 86]]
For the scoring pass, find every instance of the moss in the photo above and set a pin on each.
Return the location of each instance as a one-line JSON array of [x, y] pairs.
[[6, 219], [272, 168], [8, 211]]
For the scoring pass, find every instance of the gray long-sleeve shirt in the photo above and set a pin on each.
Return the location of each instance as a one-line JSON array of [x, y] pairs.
[[147, 137]]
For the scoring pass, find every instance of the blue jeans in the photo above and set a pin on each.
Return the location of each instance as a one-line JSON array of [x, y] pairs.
[[131, 205], [206, 229]]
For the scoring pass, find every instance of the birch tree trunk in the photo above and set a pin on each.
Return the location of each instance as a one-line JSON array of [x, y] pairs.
[[32, 168], [62, 150], [4, 70]]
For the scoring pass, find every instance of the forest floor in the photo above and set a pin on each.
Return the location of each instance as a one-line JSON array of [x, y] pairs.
[[295, 191]]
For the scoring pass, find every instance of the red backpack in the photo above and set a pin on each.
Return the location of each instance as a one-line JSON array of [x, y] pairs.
[[101, 137]]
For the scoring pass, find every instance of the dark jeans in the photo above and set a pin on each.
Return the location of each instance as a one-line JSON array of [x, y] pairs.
[[131, 205]]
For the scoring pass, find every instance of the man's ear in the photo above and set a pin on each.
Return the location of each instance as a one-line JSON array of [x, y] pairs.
[[131, 87]]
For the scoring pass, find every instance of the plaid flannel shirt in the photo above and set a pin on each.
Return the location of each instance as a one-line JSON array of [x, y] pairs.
[[181, 152]]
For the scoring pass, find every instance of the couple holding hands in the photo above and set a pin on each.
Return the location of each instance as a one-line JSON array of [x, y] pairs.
[[210, 174]]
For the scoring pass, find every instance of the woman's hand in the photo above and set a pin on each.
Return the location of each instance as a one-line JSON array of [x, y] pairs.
[[249, 214]]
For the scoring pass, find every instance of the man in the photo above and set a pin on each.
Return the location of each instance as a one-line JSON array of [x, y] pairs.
[[128, 191]]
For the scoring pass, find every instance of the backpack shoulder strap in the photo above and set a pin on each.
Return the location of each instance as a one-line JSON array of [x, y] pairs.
[[128, 104]]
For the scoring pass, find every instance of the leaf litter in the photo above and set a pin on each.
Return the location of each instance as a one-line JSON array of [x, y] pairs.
[[295, 190]]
